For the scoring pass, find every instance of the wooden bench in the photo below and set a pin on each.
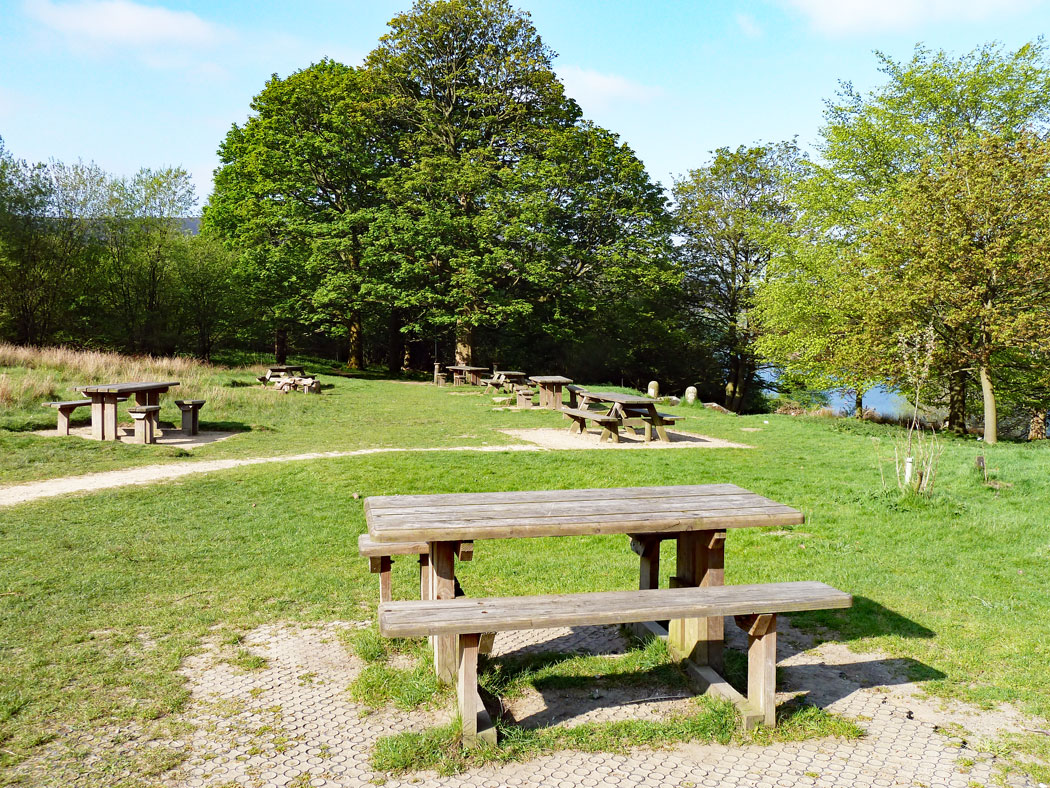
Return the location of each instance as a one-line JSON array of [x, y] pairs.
[[645, 420], [65, 410], [610, 424], [574, 390], [754, 606], [145, 417], [524, 396], [191, 409], [381, 557]]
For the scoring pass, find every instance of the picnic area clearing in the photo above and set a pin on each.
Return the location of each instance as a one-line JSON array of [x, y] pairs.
[[100, 611]]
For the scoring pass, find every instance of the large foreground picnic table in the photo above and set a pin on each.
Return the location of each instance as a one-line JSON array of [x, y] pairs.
[[104, 398], [695, 516]]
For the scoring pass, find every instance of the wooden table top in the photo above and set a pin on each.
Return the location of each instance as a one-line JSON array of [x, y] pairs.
[[125, 388], [620, 399], [550, 379], [286, 368], [461, 517], [509, 374], [461, 368]]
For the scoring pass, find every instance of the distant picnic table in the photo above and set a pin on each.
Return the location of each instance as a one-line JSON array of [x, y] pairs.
[[504, 379], [104, 398], [285, 369], [627, 410], [466, 374], [550, 389]]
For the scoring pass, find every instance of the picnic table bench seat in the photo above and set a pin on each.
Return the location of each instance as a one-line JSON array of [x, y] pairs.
[[190, 409], [145, 417], [610, 424], [754, 606], [524, 396], [65, 410]]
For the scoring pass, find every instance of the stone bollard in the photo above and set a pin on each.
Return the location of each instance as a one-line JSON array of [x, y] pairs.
[[654, 389], [690, 395]]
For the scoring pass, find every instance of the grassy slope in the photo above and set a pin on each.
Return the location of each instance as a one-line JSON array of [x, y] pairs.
[[958, 586]]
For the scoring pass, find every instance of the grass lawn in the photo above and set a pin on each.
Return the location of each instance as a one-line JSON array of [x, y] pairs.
[[103, 595]]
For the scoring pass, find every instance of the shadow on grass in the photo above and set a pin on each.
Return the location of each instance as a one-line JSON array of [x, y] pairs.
[[867, 618]]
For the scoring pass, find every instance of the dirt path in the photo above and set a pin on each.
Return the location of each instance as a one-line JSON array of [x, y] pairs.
[[31, 491], [539, 440]]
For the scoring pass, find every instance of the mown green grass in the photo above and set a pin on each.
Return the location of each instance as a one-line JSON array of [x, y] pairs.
[[956, 587]]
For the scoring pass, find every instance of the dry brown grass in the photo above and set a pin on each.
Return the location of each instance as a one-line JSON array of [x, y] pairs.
[[27, 391], [94, 366]]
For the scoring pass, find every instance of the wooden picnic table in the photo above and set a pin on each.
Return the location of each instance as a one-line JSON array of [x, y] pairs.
[[104, 398], [550, 389], [470, 374], [695, 516], [284, 369], [629, 408], [506, 380]]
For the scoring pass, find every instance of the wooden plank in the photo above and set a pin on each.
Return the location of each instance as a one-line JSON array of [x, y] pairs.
[[443, 591], [485, 511], [762, 666], [547, 496], [126, 388], [467, 688], [708, 682], [586, 525], [447, 615], [368, 547], [384, 578], [97, 422], [109, 417]]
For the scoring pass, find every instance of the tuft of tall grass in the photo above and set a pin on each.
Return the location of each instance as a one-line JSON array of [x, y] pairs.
[[27, 391]]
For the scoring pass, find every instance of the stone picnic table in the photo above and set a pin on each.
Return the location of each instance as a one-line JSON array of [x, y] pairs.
[[697, 517], [630, 408], [104, 398], [463, 374], [550, 389]]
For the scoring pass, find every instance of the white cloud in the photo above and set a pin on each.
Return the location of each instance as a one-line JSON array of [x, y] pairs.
[[595, 90], [110, 24], [748, 25], [857, 16]]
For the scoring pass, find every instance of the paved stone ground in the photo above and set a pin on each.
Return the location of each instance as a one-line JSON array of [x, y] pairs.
[[292, 724]]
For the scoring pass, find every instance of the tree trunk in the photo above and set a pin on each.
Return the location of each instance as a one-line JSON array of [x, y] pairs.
[[280, 346], [355, 336], [957, 402], [991, 417], [464, 344], [736, 386], [406, 358], [1037, 429], [858, 403], [395, 342]]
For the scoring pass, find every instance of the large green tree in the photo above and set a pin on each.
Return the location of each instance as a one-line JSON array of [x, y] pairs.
[[725, 212], [296, 194], [475, 93], [926, 109], [966, 248]]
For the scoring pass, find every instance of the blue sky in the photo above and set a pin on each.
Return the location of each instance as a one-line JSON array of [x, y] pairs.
[[129, 84]]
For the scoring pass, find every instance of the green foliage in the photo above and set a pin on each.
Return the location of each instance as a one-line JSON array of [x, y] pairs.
[[823, 315], [725, 213]]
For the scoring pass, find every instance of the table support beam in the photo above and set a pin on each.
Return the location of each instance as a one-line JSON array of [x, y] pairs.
[[700, 562], [109, 417], [443, 586]]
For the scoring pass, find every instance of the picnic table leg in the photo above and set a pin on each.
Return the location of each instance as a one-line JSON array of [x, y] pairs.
[[97, 421], [443, 586], [109, 417], [700, 562], [554, 397]]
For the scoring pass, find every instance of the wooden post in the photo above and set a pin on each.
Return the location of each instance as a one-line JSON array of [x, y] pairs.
[[711, 567], [424, 576], [63, 421], [761, 664], [97, 420], [385, 562], [700, 562], [648, 562], [443, 586], [467, 688], [109, 417]]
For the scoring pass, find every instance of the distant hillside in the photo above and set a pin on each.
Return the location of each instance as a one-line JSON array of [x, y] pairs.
[[191, 224]]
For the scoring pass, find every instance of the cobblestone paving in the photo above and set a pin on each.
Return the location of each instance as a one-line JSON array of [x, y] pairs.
[[292, 724]]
